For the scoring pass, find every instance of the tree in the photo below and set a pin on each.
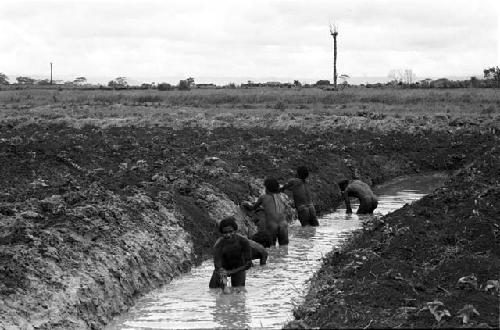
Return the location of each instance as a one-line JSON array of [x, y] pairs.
[[401, 76], [425, 83], [408, 76], [4, 80], [184, 85], [80, 81], [118, 83], [344, 78], [164, 87], [322, 82], [43, 82], [474, 82], [493, 74], [297, 83], [334, 32], [25, 80]]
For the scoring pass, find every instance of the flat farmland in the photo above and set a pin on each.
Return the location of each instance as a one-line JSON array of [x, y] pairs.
[[106, 195]]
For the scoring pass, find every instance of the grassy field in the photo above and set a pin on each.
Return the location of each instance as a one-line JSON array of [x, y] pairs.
[[277, 108], [427, 99], [106, 195]]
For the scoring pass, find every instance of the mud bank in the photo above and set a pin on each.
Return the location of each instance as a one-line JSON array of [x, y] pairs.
[[93, 217], [433, 264]]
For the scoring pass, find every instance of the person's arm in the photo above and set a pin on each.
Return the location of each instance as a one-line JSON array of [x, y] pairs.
[[247, 252], [218, 256], [288, 185], [236, 270], [252, 207]]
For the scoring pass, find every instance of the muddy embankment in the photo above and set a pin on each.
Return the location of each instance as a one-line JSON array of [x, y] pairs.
[[92, 217], [432, 264]]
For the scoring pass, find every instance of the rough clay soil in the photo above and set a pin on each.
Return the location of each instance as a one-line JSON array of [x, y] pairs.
[[389, 274], [91, 218]]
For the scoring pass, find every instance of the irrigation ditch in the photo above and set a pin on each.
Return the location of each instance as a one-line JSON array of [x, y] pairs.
[[94, 217]]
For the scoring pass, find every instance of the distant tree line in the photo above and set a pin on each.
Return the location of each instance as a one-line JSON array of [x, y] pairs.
[[400, 79]]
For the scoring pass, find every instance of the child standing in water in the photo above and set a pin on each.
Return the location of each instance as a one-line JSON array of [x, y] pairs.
[[232, 256], [274, 208], [302, 198]]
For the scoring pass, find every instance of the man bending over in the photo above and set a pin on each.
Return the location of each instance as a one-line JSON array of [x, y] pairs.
[[357, 188]]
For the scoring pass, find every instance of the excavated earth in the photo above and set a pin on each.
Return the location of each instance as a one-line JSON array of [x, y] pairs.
[[434, 264], [94, 216]]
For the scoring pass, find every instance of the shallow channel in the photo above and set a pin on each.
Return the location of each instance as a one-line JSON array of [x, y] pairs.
[[271, 290]]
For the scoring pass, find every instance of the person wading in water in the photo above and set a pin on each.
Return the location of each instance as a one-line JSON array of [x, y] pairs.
[[357, 188], [274, 208], [302, 198], [233, 254]]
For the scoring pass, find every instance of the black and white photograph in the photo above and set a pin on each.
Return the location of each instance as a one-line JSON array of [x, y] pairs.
[[258, 164]]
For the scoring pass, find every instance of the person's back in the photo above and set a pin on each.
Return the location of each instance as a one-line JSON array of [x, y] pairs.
[[359, 189], [300, 192], [302, 197], [274, 208]]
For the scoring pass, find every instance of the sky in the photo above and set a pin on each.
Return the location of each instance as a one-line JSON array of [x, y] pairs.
[[226, 41]]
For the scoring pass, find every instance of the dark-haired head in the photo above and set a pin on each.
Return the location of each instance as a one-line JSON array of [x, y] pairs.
[[343, 184], [272, 185], [228, 222], [302, 172]]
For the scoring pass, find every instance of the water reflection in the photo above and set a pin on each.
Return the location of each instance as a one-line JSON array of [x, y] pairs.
[[272, 290], [230, 310], [305, 232]]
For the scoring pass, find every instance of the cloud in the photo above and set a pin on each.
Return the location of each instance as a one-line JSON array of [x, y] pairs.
[[258, 37]]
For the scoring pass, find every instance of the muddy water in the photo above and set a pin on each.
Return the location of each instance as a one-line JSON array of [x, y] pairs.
[[272, 290]]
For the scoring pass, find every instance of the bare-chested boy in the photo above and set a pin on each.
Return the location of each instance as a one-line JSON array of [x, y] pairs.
[[233, 254], [302, 197], [356, 188], [274, 208]]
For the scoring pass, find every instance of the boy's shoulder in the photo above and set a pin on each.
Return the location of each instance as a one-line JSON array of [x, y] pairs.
[[358, 183], [242, 238], [294, 182], [265, 196]]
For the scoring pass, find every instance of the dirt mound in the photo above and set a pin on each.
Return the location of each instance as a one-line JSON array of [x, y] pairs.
[[432, 264], [93, 217]]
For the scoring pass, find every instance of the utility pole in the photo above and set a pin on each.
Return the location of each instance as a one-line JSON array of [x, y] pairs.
[[334, 32], [51, 73]]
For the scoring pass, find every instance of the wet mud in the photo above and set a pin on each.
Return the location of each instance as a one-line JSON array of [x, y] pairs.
[[433, 264], [93, 217]]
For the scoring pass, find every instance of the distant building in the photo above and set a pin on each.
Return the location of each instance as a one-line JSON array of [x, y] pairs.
[[272, 84], [250, 84], [205, 86]]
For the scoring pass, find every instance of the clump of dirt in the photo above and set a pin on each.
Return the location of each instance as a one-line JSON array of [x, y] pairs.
[[92, 217], [430, 264]]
